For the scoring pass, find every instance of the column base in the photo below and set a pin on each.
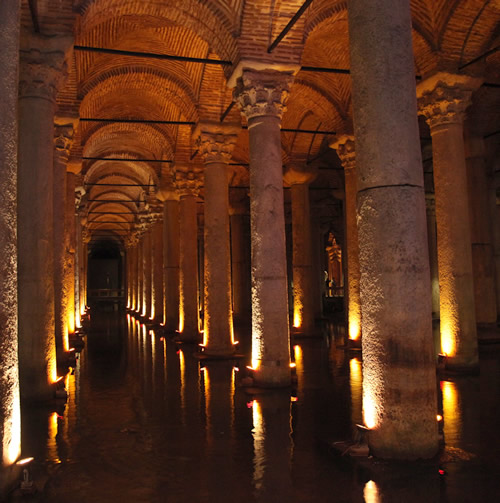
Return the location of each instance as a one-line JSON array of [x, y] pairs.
[[272, 374]]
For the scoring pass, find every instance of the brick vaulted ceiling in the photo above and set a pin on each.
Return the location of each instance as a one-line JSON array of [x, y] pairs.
[[447, 34]]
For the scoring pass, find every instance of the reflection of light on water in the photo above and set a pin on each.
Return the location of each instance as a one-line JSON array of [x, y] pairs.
[[370, 492], [52, 454], [258, 433], [451, 413], [356, 384], [182, 365], [205, 377]]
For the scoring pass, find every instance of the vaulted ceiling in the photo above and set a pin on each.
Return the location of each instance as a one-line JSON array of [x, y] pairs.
[[155, 102]]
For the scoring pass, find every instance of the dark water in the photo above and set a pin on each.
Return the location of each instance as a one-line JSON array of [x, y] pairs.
[[147, 422]]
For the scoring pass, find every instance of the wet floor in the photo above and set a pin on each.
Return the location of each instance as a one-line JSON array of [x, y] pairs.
[[146, 421]]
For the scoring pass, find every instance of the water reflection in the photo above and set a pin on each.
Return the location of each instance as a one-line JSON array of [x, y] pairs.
[[146, 421], [273, 446]]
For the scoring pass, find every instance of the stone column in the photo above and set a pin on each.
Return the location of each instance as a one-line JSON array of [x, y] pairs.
[[261, 96], [443, 99], [188, 187], [158, 289], [298, 177], [171, 260], [483, 263], [43, 69], [496, 244], [430, 206], [10, 416], [140, 275], [146, 250], [63, 139], [69, 269], [240, 261], [399, 372], [215, 144], [345, 147]]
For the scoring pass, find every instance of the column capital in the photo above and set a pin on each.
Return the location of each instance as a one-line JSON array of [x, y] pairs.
[[215, 141], [444, 97], [43, 67], [187, 183], [63, 141], [299, 173], [262, 92], [346, 150]]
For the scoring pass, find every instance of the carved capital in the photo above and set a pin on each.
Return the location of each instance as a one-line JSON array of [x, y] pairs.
[[346, 150], [263, 92], [63, 141], [43, 68], [187, 183], [215, 142], [444, 97]]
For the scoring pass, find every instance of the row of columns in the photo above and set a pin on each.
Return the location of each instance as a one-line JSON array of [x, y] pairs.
[[466, 291]]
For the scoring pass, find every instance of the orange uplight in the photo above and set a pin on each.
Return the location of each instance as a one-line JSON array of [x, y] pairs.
[[25, 461], [439, 417], [292, 365]]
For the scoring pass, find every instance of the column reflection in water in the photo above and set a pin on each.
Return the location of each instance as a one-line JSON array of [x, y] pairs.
[[273, 447], [220, 455], [53, 427], [356, 383]]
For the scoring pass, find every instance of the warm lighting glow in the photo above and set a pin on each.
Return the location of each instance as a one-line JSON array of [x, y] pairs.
[[371, 388], [292, 365], [65, 339], [71, 322], [297, 314], [12, 426], [354, 327], [25, 461], [448, 338], [439, 417], [370, 492], [356, 385], [258, 433], [181, 319], [451, 412], [182, 365], [294, 399], [52, 454]]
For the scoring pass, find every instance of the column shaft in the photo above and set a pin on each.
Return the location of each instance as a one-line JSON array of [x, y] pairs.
[[456, 295], [399, 376], [69, 270], [433, 261], [148, 278], [303, 297], [483, 263], [240, 245], [270, 331], [158, 291], [188, 277], [171, 263], [10, 417], [218, 320], [42, 64]]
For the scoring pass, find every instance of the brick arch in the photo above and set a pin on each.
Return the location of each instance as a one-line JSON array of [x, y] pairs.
[[154, 94], [215, 22]]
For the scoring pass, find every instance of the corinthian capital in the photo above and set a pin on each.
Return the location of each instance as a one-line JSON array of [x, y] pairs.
[[262, 92], [43, 68], [346, 150], [63, 141], [215, 141], [444, 97], [187, 183]]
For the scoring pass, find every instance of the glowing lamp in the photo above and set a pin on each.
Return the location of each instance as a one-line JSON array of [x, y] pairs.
[[25, 461]]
